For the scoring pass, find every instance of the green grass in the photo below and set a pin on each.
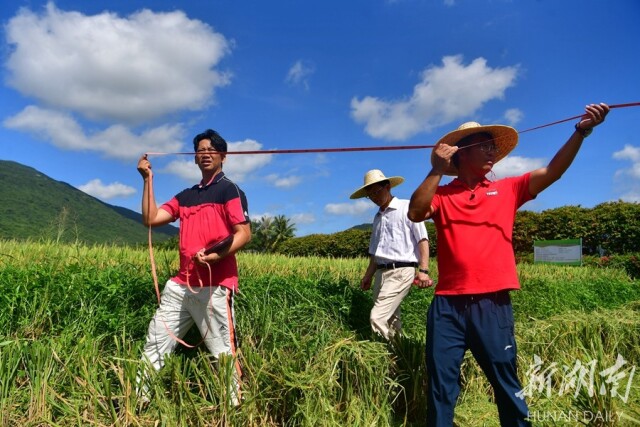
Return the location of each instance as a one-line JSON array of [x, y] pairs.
[[73, 321]]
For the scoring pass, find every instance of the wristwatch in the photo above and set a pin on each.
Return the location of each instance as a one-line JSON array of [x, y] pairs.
[[424, 270], [584, 132]]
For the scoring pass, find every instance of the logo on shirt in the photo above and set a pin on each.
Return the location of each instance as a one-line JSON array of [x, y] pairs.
[[492, 193]]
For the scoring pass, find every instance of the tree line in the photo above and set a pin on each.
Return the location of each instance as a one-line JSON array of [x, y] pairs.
[[611, 228], [268, 233]]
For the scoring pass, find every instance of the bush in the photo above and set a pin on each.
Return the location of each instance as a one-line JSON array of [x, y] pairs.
[[616, 227], [352, 243], [612, 227], [433, 238], [630, 263]]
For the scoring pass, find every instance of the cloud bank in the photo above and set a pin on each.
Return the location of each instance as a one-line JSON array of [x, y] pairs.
[[628, 179], [118, 69], [445, 94], [102, 191]]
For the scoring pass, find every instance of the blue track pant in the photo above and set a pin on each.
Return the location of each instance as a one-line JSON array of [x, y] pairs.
[[484, 324]]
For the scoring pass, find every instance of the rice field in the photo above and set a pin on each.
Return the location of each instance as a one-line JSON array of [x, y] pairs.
[[73, 321]]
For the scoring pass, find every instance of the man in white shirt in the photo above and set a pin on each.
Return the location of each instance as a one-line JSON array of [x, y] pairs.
[[398, 246]]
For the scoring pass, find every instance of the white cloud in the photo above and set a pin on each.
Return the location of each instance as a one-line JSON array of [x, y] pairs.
[[96, 188], [513, 116], [114, 71], [632, 154], [128, 69], [631, 196], [236, 166], [321, 159], [299, 218], [299, 74], [445, 94], [516, 165], [258, 216], [628, 179], [629, 152], [116, 141], [283, 182], [185, 169], [303, 218], [356, 208]]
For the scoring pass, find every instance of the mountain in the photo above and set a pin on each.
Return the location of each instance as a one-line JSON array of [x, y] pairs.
[[365, 227], [35, 206]]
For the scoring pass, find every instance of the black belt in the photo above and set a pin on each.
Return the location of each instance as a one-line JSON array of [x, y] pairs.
[[393, 265]]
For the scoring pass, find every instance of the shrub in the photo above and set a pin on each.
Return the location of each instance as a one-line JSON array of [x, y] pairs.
[[350, 243], [616, 227], [612, 227], [630, 263]]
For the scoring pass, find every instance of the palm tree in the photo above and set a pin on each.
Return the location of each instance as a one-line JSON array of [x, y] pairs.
[[269, 232], [282, 229], [260, 234]]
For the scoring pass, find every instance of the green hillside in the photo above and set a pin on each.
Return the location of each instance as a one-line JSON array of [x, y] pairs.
[[35, 206], [366, 227]]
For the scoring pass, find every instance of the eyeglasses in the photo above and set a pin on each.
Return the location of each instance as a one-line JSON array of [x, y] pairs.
[[488, 147], [206, 151], [372, 194]]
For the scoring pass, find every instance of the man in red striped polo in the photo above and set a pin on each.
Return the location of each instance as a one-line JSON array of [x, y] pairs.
[[202, 291]]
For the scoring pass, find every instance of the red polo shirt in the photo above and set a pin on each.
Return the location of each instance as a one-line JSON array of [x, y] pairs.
[[475, 228], [207, 214]]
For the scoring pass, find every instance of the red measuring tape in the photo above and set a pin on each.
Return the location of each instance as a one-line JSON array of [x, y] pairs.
[[382, 148], [317, 150]]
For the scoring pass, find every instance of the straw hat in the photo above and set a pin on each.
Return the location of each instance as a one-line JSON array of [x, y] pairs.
[[505, 138], [372, 177]]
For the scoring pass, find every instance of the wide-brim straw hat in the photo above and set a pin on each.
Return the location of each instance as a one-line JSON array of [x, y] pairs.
[[372, 177], [505, 138]]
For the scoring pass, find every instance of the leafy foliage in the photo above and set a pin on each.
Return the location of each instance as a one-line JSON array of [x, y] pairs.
[[627, 262], [269, 233], [350, 243], [612, 227], [616, 227]]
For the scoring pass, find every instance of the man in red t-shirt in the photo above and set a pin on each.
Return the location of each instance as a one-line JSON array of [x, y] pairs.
[[202, 291], [474, 220]]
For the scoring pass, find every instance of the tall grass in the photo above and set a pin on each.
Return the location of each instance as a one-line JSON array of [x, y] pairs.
[[73, 320]]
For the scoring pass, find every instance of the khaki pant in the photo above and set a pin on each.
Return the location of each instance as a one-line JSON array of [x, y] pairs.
[[390, 288]]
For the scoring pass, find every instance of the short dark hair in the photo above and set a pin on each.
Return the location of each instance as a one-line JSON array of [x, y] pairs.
[[217, 141], [467, 140]]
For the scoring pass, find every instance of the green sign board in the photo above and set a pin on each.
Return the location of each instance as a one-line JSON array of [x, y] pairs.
[[567, 252]]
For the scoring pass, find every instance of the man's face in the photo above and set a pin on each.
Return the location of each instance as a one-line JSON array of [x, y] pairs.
[[378, 193], [207, 158], [480, 155]]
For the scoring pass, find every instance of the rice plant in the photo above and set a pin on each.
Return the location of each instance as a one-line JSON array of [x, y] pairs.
[[74, 317]]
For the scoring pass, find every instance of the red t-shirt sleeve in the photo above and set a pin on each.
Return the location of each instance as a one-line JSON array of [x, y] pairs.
[[173, 207]]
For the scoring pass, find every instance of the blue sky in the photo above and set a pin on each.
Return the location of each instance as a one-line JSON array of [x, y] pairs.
[[87, 87]]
